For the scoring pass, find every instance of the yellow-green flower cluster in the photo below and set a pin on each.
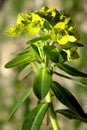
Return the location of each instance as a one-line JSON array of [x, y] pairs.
[[48, 21], [62, 28]]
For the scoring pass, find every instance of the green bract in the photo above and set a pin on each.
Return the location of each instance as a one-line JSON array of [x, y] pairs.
[[54, 40]]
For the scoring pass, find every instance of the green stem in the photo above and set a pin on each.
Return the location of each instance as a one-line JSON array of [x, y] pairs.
[[52, 113]]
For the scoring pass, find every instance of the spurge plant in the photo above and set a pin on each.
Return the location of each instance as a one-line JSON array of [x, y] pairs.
[[52, 43]]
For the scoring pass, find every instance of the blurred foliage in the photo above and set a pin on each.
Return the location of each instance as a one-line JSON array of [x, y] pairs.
[[16, 6], [72, 5], [9, 85]]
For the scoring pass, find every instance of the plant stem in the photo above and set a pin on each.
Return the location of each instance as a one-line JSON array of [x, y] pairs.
[[52, 113]]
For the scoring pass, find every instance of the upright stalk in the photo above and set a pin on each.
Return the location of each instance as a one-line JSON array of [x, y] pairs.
[[52, 113]]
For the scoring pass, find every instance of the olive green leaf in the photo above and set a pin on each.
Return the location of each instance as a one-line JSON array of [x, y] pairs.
[[70, 78], [19, 52], [25, 72], [52, 53], [34, 118], [71, 115], [65, 97], [41, 38], [21, 100], [36, 52], [21, 59], [41, 84], [70, 45], [71, 70]]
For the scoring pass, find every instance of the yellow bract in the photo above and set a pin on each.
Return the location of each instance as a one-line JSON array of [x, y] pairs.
[[60, 25], [35, 25], [63, 40], [15, 30], [23, 18]]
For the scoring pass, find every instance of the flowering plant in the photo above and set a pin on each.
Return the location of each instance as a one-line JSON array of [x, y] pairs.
[[52, 42]]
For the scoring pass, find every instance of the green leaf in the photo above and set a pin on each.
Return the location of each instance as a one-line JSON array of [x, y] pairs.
[[35, 66], [35, 117], [21, 100], [62, 75], [63, 56], [19, 52], [68, 113], [25, 72], [42, 83], [77, 44], [52, 53], [71, 115], [21, 59], [70, 78], [70, 70], [43, 38], [65, 97], [36, 52], [72, 44]]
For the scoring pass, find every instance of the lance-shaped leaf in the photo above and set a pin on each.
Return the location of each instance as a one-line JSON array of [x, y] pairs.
[[68, 113], [65, 97], [71, 115], [35, 66], [36, 52], [21, 100], [70, 70], [43, 38], [19, 52], [35, 117], [42, 83], [52, 53], [70, 78], [72, 44], [25, 72], [21, 59]]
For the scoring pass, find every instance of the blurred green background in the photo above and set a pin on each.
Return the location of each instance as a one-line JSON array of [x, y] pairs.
[[11, 88]]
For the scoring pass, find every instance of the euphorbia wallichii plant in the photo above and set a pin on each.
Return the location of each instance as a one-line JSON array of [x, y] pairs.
[[52, 42]]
